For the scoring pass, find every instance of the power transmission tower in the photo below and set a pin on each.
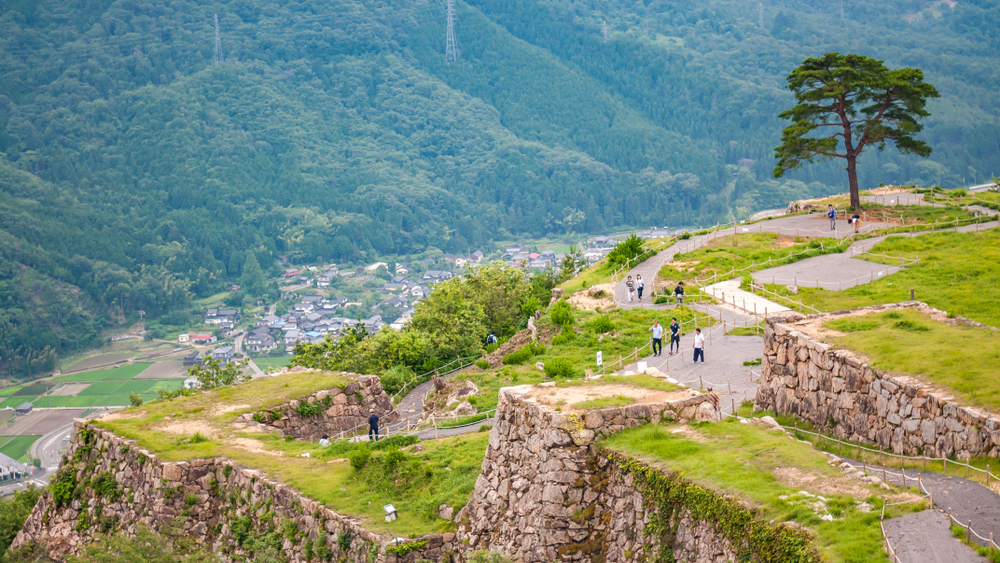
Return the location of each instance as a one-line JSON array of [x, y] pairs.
[[604, 30], [218, 43], [760, 14], [451, 47]]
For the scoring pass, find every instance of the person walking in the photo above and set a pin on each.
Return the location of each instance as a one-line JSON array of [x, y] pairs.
[[631, 288], [832, 214], [675, 336], [639, 285], [372, 426], [657, 331], [679, 293], [699, 345]]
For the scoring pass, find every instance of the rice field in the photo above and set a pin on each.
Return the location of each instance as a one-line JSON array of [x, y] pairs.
[[96, 388]]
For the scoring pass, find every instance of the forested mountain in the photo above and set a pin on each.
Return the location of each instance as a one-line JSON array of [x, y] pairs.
[[136, 172]]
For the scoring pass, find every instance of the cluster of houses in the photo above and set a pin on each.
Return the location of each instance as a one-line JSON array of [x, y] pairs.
[[222, 354], [309, 321], [225, 319], [521, 256]]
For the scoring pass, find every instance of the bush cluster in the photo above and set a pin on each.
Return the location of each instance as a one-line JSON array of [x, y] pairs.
[[524, 354], [561, 367]]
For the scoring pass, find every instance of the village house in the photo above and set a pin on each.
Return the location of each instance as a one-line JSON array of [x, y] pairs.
[[11, 469], [217, 316], [260, 340]]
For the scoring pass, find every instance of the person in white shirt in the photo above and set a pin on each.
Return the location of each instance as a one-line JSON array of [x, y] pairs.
[[699, 345], [639, 286], [324, 441], [657, 331]]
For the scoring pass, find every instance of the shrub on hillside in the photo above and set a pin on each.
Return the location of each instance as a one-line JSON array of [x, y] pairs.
[[625, 250], [601, 324], [562, 314], [561, 367], [394, 378], [482, 364], [359, 458], [524, 354], [566, 336]]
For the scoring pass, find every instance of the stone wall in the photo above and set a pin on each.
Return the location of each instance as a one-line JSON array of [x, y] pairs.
[[839, 392], [546, 493], [110, 484], [342, 411]]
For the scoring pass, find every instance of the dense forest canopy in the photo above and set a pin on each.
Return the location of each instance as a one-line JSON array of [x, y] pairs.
[[136, 173]]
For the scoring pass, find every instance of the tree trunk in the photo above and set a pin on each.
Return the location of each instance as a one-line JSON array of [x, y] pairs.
[[852, 177]]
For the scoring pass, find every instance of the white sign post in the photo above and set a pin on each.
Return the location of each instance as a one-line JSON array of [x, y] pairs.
[[600, 358]]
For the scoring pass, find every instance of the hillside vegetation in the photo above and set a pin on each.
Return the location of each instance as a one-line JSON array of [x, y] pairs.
[[135, 173]]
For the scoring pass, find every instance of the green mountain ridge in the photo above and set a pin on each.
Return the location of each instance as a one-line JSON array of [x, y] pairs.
[[137, 173]]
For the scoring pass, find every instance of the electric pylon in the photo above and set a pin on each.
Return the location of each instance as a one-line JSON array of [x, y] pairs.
[[218, 43], [451, 47]]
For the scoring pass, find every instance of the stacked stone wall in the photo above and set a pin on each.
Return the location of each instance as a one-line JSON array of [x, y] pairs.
[[840, 393], [341, 411], [546, 493], [220, 504]]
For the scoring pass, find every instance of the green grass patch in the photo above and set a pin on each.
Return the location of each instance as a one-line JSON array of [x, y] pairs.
[[8, 391], [416, 483], [17, 446], [742, 459], [127, 371], [102, 388], [963, 359], [755, 330], [266, 362], [37, 388], [462, 421], [593, 404], [637, 380], [49, 401], [211, 300], [599, 273], [958, 273]]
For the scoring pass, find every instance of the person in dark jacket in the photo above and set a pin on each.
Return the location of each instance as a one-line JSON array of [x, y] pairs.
[[372, 425], [679, 293]]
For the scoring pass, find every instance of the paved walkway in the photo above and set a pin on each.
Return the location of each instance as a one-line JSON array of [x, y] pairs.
[[729, 292], [834, 272], [924, 537], [967, 500]]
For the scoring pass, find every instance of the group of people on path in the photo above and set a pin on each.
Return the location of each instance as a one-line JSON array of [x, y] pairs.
[[634, 286], [675, 339], [637, 285], [854, 220]]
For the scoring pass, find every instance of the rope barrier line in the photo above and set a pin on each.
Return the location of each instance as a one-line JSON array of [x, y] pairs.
[[894, 456]]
